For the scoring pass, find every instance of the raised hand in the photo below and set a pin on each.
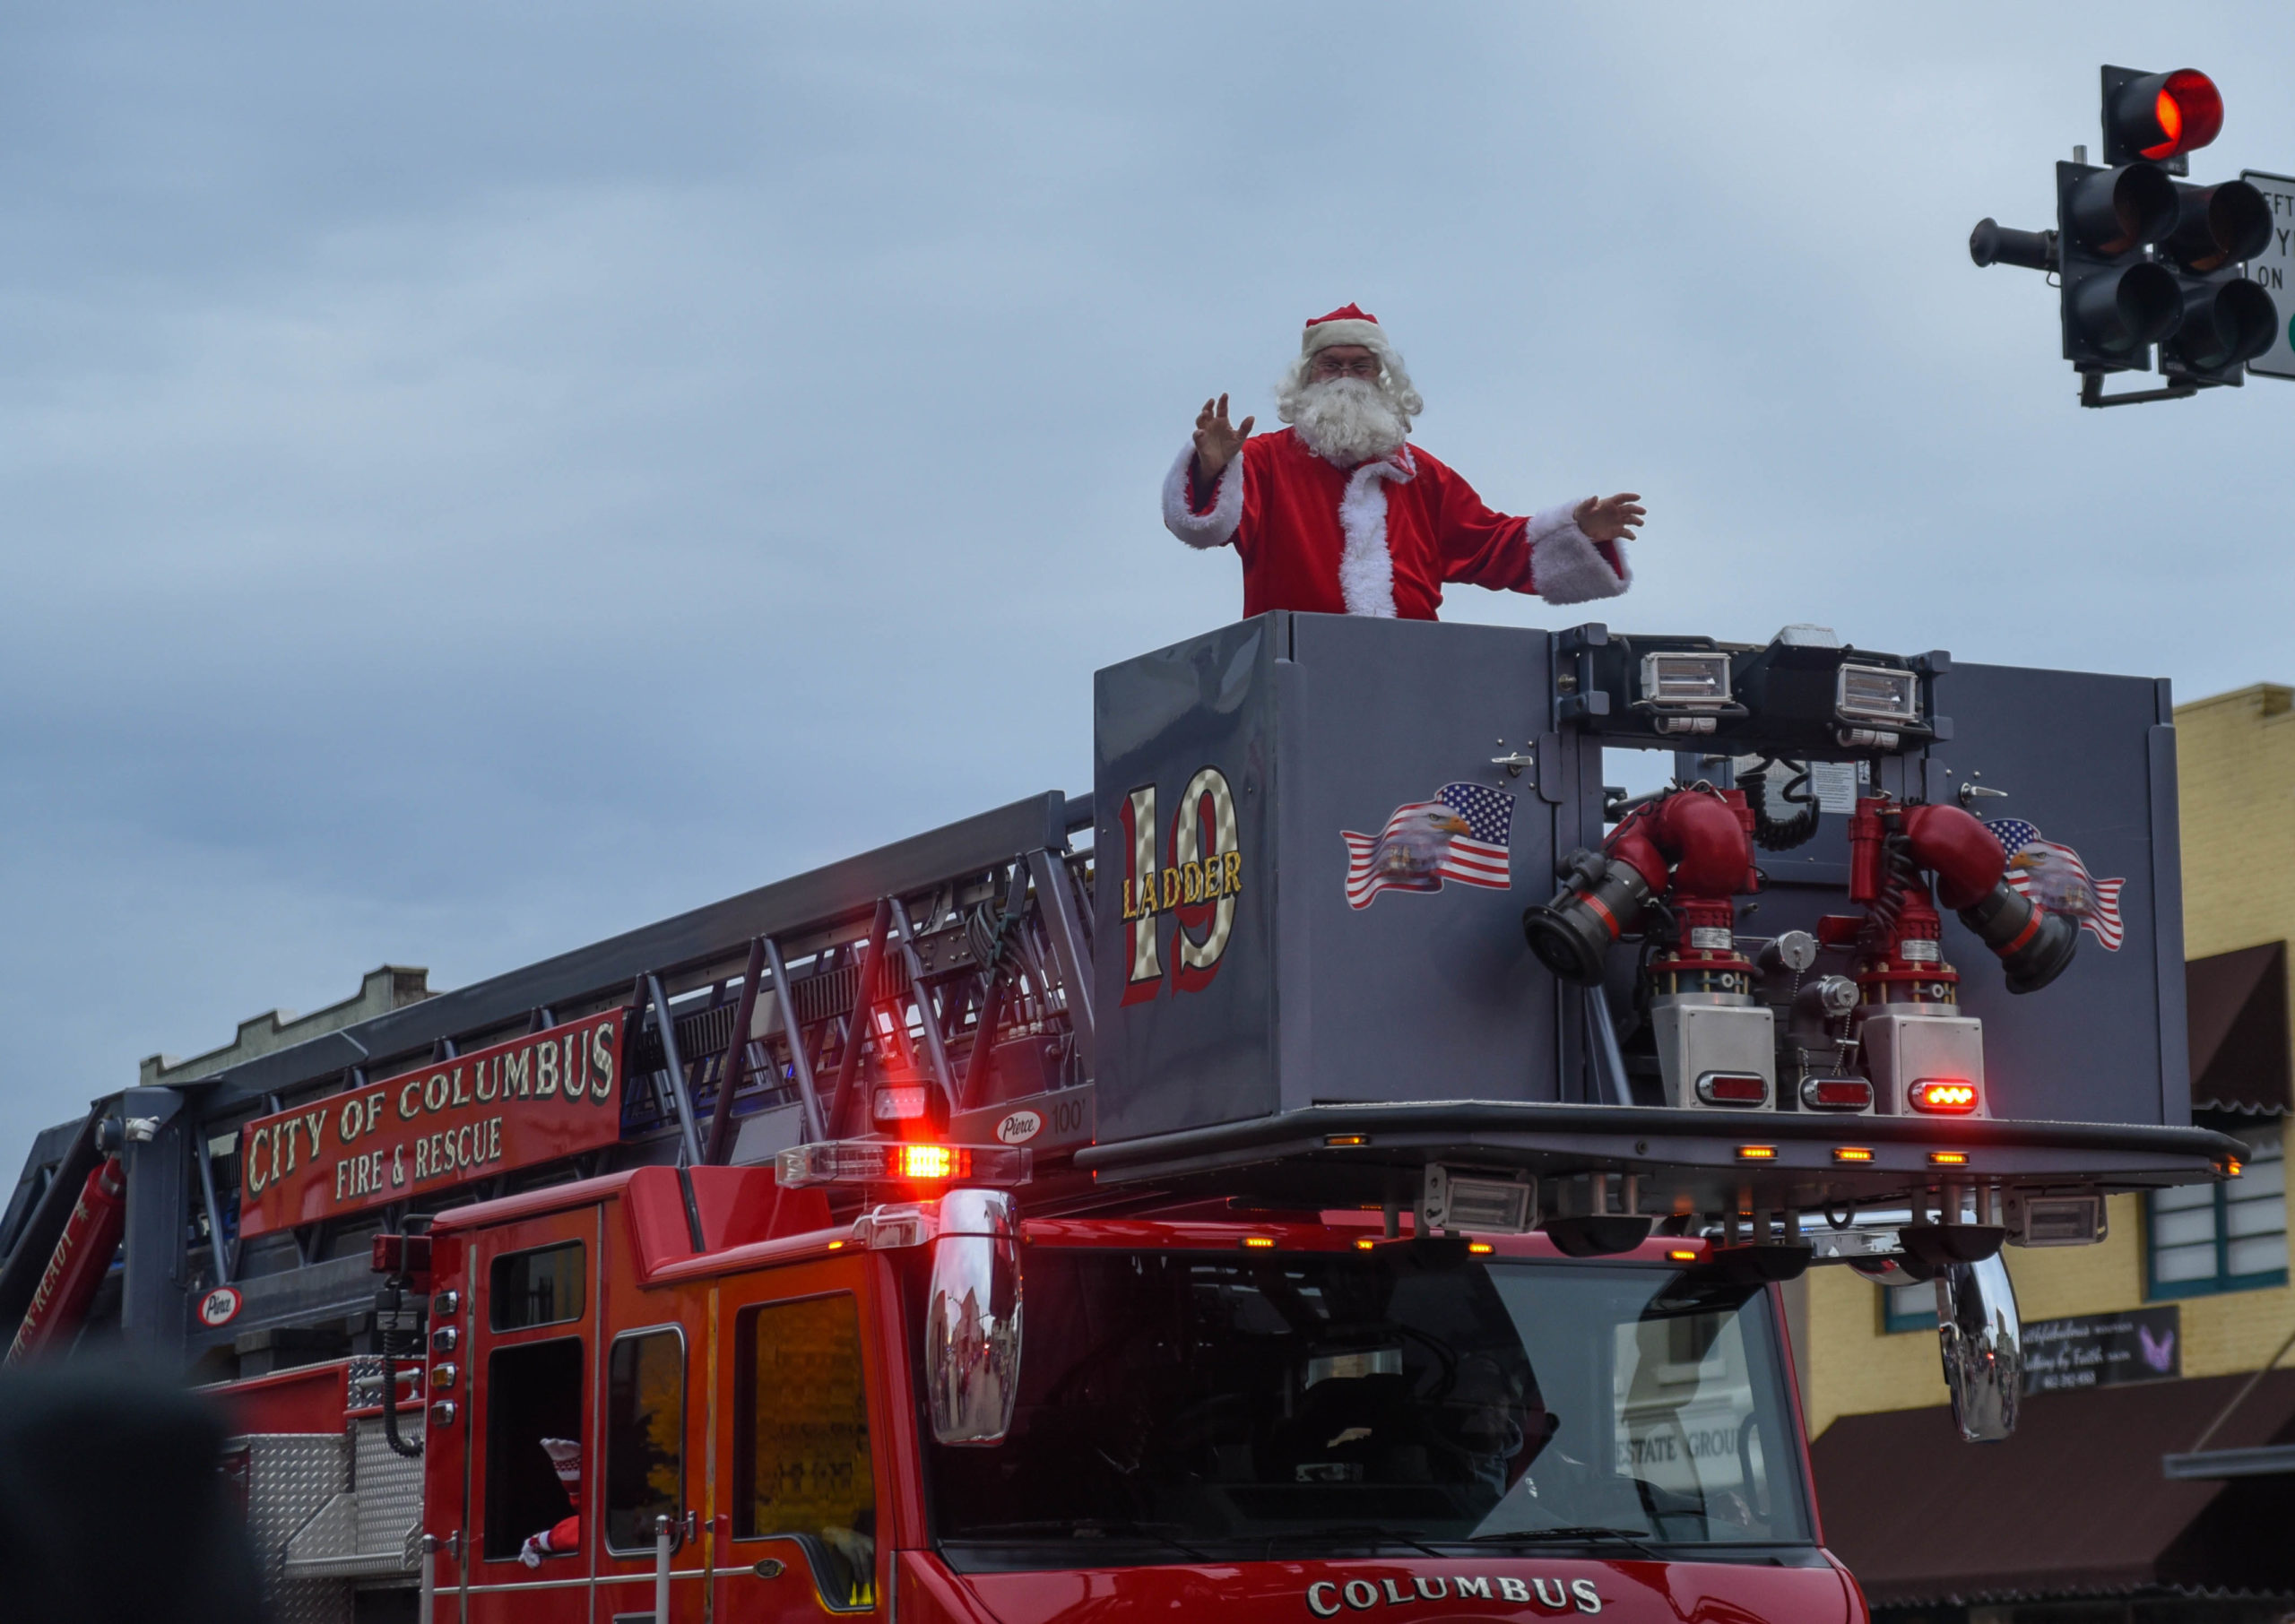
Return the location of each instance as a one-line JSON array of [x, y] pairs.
[[1603, 519], [1217, 441]]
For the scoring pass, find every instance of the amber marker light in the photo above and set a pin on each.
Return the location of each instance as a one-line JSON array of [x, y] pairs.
[[1756, 1152], [1681, 1254], [1259, 1243], [1341, 1141], [836, 1246], [1851, 1153], [1365, 1243], [1480, 1249], [2233, 1167], [1948, 1158]]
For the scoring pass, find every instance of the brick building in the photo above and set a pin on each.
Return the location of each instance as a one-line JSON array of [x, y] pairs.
[[2173, 1334]]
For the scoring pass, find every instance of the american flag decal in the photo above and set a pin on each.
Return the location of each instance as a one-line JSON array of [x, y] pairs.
[[1461, 834], [2053, 875]]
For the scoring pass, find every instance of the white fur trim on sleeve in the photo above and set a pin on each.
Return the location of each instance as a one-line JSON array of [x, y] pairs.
[[1216, 528], [1566, 565]]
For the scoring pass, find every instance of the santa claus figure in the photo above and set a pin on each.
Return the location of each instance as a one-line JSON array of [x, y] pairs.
[[1339, 513]]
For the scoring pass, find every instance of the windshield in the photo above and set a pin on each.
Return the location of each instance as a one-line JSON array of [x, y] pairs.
[[1202, 1404]]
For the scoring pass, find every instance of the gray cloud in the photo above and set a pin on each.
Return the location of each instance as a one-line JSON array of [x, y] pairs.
[[477, 478]]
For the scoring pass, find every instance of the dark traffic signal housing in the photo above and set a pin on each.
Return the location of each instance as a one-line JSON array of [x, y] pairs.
[[2143, 260], [2226, 320]]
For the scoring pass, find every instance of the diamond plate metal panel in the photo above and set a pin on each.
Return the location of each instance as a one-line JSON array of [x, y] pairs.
[[290, 1477], [390, 1492]]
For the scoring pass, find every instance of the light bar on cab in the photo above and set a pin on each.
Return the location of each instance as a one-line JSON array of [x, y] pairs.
[[897, 1162]]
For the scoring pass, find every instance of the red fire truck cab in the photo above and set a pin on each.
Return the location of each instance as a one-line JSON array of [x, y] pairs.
[[1284, 1412]]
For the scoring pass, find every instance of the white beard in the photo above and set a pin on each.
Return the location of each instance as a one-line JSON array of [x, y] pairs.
[[1348, 420]]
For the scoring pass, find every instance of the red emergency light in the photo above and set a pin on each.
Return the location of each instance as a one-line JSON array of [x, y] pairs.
[[406, 1256], [1942, 1097], [1837, 1093], [901, 1162], [1733, 1088]]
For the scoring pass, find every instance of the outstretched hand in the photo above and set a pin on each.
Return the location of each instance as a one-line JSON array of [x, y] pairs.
[[1217, 441], [1603, 519]]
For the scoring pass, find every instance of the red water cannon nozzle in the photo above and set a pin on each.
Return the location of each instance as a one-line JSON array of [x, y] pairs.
[[1893, 847], [1697, 842]]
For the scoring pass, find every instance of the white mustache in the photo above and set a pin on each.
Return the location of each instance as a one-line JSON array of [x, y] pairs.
[[1348, 420]]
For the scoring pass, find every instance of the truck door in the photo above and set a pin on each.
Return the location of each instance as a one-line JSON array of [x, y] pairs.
[[644, 1477], [533, 1426], [806, 1483]]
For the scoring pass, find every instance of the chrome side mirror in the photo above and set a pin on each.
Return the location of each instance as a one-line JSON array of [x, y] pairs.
[[1983, 1344], [971, 1331]]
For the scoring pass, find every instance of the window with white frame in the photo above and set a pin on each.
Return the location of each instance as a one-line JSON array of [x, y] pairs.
[[1911, 1307], [2229, 1235]]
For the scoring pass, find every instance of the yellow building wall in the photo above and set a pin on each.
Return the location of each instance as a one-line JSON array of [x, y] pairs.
[[2236, 794]]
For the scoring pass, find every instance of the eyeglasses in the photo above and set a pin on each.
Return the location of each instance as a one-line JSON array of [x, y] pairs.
[[1327, 368]]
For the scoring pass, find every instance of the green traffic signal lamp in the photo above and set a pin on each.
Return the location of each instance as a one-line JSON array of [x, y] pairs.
[[2160, 117], [2227, 321]]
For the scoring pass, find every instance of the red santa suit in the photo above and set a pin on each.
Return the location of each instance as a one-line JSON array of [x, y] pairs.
[[1377, 539]]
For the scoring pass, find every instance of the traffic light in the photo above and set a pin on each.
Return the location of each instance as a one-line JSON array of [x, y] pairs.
[[2226, 320], [2116, 304], [2143, 260], [2160, 118]]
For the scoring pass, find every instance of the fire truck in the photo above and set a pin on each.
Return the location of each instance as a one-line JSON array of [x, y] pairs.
[[1345, 1165]]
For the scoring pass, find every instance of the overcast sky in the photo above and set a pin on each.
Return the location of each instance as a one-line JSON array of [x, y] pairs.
[[478, 477]]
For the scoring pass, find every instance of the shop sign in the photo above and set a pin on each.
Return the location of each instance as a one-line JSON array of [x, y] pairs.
[[2103, 1350], [534, 1098]]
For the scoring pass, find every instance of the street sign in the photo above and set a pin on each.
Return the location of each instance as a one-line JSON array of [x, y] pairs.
[[2273, 270]]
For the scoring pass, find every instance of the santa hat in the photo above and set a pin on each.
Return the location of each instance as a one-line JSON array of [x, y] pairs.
[[1348, 324]]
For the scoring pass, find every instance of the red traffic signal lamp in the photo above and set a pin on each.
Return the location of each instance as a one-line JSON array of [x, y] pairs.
[[2162, 118]]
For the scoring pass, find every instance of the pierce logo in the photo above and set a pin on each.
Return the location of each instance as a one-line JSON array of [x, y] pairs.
[[220, 1307], [1019, 1127], [1196, 884]]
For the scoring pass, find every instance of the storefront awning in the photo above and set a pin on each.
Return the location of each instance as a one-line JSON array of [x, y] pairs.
[[2076, 1503], [2236, 1015]]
